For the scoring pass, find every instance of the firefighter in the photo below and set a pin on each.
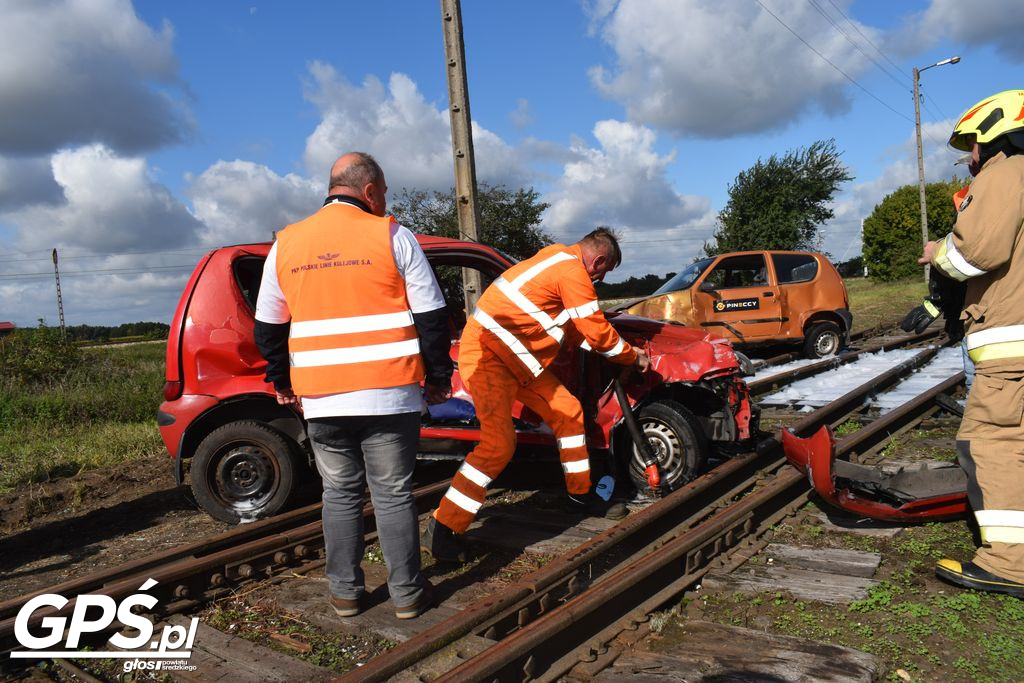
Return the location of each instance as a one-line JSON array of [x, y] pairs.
[[986, 250], [515, 333], [945, 298]]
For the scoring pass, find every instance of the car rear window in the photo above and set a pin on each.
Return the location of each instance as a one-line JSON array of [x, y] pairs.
[[249, 274], [792, 268]]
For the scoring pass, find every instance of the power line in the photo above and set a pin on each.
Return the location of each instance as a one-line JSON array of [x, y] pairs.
[[110, 254], [833, 65], [20, 277], [866, 39], [855, 45]]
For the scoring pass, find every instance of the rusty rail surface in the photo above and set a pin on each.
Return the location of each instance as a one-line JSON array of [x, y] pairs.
[[661, 551], [199, 571], [773, 382], [540, 623]]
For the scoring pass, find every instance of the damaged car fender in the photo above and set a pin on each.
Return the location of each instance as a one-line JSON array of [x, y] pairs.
[[926, 491]]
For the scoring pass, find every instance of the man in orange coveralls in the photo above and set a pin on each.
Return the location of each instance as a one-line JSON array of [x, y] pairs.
[[508, 343]]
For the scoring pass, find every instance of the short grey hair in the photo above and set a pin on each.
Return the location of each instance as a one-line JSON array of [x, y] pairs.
[[358, 173]]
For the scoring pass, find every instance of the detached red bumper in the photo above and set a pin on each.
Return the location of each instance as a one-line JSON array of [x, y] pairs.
[[928, 491]]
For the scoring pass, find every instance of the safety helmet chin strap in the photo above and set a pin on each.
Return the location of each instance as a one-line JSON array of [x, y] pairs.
[[1009, 144]]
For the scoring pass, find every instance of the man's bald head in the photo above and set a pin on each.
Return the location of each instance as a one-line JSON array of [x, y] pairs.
[[357, 174]]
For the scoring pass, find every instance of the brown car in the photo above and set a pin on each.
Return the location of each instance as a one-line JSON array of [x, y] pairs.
[[757, 298]]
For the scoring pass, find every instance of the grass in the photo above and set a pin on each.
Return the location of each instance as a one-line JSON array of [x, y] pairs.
[[101, 412], [260, 623], [914, 623], [881, 303]]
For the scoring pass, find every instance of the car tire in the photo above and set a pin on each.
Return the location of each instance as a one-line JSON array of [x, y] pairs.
[[823, 340], [677, 440], [243, 471]]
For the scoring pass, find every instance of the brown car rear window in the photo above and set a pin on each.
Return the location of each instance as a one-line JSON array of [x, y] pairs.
[[792, 268]]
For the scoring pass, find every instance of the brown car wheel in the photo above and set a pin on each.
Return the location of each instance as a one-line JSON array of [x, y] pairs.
[[822, 340]]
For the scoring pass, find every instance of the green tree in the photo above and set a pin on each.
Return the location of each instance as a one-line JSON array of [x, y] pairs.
[[892, 233], [509, 219], [509, 222], [779, 203]]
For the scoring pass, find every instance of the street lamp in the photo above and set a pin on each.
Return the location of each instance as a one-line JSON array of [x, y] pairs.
[[920, 151]]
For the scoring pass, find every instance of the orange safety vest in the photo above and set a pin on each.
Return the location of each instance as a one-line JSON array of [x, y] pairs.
[[525, 311], [351, 326]]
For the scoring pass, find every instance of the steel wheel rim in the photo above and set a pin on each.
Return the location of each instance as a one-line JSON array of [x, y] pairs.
[[245, 477], [826, 344], [667, 447]]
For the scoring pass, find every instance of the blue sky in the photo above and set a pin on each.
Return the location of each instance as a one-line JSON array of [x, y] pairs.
[[135, 136]]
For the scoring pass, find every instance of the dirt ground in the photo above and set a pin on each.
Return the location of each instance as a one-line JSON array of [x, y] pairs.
[[922, 629], [60, 530]]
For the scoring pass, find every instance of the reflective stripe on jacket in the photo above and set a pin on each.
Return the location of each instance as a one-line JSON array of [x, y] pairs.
[[986, 249], [351, 326], [525, 312]]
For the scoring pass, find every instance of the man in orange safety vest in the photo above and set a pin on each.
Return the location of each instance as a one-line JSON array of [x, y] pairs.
[[514, 334]]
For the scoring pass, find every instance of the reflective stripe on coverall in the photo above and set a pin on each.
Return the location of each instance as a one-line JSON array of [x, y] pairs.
[[986, 250], [513, 336]]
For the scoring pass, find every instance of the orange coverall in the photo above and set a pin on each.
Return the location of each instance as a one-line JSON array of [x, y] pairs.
[[507, 345]]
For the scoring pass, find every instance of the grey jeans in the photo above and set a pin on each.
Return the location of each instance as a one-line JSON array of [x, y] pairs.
[[383, 447]]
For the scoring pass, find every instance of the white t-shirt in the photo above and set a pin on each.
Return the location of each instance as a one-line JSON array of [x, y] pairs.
[[424, 295]]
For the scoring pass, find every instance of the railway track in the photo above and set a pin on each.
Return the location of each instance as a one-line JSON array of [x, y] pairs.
[[579, 608]]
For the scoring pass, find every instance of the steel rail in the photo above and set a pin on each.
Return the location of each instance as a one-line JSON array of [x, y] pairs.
[[876, 331], [534, 596], [222, 561], [772, 382], [530, 650], [228, 559]]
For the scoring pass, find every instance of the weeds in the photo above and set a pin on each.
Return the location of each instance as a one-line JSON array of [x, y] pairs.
[[916, 624], [99, 411]]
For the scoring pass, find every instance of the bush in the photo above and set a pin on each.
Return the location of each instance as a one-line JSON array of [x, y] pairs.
[[37, 356]]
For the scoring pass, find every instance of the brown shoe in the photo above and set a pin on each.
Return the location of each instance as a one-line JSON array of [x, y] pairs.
[[347, 607], [418, 606]]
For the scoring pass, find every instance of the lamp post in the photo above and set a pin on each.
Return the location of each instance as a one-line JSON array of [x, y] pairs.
[[920, 152]]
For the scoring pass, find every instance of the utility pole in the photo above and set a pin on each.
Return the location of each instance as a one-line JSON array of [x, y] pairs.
[[920, 153], [60, 302], [462, 141]]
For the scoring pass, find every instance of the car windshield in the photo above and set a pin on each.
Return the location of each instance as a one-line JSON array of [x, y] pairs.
[[685, 279]]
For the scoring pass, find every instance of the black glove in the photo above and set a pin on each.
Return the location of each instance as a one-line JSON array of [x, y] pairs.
[[920, 317], [948, 295]]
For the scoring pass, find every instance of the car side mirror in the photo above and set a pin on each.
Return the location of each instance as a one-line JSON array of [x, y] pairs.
[[707, 287]]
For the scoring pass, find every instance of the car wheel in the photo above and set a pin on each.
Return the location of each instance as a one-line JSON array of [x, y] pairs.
[[822, 340], [243, 471], [677, 440]]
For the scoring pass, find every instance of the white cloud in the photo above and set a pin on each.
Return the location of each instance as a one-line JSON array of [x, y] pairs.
[[76, 71], [239, 201], [999, 23], [712, 69], [110, 204], [408, 136], [623, 184], [126, 245]]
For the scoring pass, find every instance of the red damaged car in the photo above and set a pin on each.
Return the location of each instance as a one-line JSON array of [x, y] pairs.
[[246, 454]]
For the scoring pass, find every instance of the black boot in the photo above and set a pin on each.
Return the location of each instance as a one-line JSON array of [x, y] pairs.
[[442, 543], [970, 575], [592, 505]]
